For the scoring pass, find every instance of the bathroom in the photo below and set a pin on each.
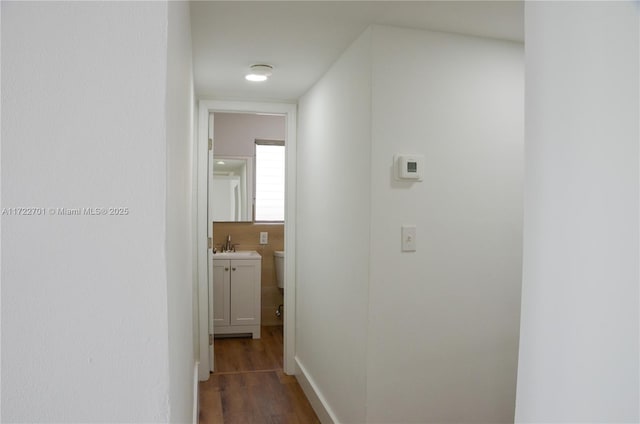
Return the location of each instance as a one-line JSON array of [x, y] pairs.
[[248, 161]]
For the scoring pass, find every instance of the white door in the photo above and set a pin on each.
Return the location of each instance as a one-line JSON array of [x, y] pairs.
[[210, 197]]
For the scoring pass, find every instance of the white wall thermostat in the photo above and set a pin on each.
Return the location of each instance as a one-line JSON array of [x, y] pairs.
[[409, 167]]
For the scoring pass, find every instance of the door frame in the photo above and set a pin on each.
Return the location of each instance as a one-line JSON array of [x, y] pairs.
[[204, 254]]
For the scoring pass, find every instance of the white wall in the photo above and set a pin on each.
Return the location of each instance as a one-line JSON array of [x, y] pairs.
[[332, 267], [180, 279], [84, 298], [437, 328], [443, 321], [0, 219], [235, 133], [579, 337]]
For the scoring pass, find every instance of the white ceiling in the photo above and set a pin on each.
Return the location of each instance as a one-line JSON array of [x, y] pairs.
[[301, 39]]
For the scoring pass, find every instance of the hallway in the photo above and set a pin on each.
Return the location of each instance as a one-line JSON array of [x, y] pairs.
[[250, 386]]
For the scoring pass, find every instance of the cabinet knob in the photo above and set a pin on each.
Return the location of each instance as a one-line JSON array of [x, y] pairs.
[[233, 269], [226, 268]]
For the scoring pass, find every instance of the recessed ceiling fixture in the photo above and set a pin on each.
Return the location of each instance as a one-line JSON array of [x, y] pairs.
[[259, 72]]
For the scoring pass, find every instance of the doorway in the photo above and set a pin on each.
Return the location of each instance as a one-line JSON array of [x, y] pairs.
[[204, 222]]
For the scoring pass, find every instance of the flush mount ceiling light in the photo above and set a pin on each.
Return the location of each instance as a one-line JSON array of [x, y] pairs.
[[259, 72]]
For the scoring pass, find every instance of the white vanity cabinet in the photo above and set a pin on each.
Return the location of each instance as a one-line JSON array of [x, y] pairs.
[[234, 299]]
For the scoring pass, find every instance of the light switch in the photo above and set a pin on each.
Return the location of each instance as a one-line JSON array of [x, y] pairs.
[[408, 238], [264, 237]]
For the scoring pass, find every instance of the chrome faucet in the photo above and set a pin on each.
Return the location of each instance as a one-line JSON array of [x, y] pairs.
[[228, 247]]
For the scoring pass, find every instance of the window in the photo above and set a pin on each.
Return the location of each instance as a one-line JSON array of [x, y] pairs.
[[270, 165]]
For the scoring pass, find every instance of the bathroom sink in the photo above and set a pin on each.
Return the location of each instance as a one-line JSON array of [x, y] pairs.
[[240, 254]]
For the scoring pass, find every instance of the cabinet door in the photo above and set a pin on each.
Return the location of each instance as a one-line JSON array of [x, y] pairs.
[[245, 292], [220, 302]]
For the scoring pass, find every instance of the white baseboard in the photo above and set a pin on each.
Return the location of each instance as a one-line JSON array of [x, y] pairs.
[[196, 394], [318, 402]]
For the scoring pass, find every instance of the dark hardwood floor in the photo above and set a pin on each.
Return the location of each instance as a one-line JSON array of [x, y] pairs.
[[249, 385]]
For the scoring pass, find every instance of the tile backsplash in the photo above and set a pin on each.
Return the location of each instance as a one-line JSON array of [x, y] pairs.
[[246, 236]]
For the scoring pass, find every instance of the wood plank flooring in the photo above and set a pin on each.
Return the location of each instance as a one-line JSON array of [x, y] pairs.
[[249, 385]]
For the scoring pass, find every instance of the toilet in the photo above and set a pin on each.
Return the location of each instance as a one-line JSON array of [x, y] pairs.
[[278, 255]]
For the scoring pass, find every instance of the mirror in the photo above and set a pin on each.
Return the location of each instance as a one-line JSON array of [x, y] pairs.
[[232, 191]]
